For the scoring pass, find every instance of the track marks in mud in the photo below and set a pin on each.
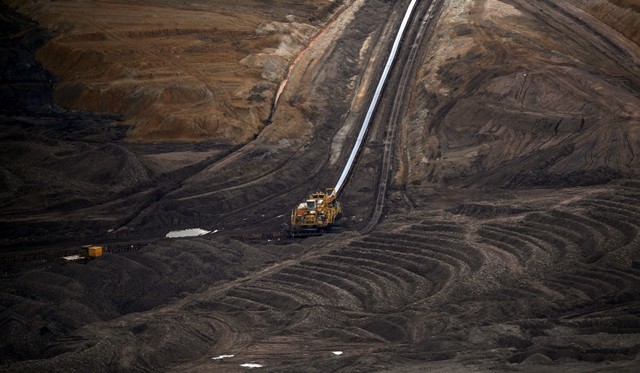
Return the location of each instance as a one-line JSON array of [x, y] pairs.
[[382, 286], [581, 251], [551, 107], [378, 274], [450, 282], [604, 266]]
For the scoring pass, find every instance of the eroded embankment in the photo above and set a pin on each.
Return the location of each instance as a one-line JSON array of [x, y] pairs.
[[499, 105], [187, 72]]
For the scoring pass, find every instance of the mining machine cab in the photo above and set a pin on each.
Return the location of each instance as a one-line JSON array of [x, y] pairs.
[[316, 213]]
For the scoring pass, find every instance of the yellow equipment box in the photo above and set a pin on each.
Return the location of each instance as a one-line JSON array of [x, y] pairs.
[[94, 251]]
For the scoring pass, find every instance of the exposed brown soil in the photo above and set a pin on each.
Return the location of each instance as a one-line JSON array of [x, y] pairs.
[[535, 109], [622, 15], [176, 70], [501, 170]]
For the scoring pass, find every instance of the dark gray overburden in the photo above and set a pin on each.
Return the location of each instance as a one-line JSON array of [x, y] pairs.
[[508, 238]]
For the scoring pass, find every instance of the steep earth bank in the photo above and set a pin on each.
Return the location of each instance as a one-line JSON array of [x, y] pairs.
[[497, 105], [176, 71], [621, 15]]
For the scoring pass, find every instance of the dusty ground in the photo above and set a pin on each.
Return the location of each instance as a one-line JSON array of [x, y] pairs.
[[508, 238]]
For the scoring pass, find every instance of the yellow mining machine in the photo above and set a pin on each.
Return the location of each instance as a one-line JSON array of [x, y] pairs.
[[319, 211]]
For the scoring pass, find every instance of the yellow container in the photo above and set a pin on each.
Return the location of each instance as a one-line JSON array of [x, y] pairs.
[[94, 251]]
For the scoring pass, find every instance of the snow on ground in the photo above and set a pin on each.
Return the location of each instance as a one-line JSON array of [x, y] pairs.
[[251, 365], [72, 257], [194, 232]]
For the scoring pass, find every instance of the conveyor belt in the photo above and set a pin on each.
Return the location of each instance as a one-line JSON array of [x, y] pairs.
[[376, 98]]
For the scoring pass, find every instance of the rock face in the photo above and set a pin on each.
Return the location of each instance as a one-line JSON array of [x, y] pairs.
[[196, 71]]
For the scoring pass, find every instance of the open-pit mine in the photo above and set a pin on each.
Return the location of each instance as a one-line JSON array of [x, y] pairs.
[[320, 186]]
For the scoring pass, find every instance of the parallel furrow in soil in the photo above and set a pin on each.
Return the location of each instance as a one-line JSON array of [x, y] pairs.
[[413, 268], [405, 282], [418, 249], [340, 291], [506, 242], [562, 242], [423, 285], [624, 230], [314, 291], [542, 242], [570, 289], [454, 248], [437, 227], [377, 286], [593, 289], [564, 239]]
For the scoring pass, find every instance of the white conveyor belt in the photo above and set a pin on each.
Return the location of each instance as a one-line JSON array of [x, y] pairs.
[[376, 97]]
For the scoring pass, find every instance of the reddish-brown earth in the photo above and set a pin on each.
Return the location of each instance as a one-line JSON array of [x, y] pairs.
[[176, 70], [492, 220]]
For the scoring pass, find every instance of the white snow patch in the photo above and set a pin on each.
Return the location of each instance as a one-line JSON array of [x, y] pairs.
[[337, 353], [215, 231], [187, 233], [251, 365], [221, 357], [72, 257]]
